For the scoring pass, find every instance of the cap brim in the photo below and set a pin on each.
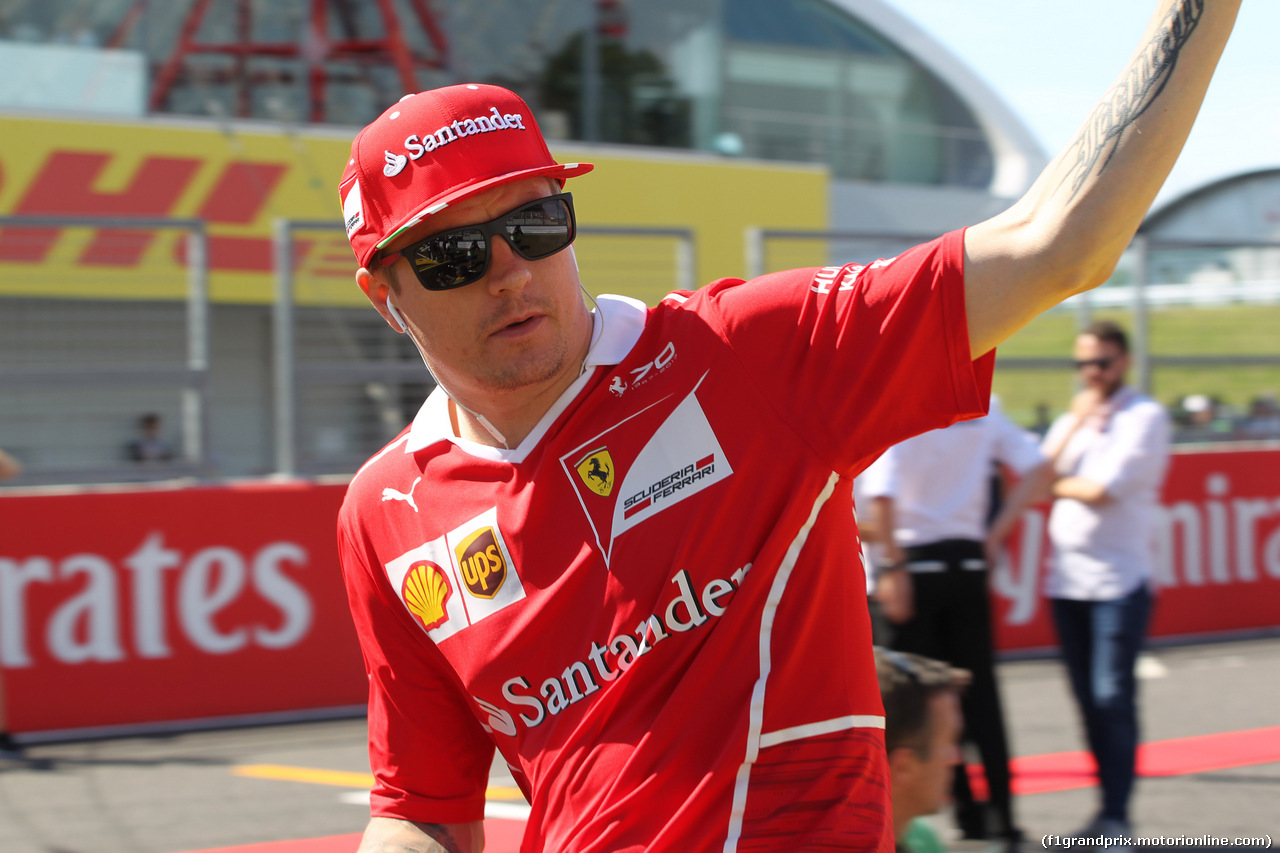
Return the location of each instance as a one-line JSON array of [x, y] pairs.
[[436, 205]]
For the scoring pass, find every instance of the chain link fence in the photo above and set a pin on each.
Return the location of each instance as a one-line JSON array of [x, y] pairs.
[[346, 384], [1202, 318], [87, 356]]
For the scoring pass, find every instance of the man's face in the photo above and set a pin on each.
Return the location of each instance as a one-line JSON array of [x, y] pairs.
[[521, 326], [1101, 365]]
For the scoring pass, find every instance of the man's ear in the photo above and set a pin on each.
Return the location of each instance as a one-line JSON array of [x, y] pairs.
[[903, 763], [379, 295]]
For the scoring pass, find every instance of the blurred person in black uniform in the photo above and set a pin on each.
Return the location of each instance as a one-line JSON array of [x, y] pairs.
[[933, 591]]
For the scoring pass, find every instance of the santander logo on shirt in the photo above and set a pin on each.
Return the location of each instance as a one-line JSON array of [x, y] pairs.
[[455, 581]]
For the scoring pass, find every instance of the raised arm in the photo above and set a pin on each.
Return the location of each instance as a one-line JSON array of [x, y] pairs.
[[385, 835], [1068, 232]]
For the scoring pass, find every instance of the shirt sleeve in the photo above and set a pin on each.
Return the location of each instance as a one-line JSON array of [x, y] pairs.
[[429, 754], [1135, 455], [859, 357], [1014, 446]]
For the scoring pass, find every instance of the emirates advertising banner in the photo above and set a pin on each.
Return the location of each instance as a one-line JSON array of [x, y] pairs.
[[133, 607], [1218, 563], [137, 607]]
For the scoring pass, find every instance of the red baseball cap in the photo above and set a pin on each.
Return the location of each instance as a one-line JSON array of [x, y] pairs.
[[434, 149]]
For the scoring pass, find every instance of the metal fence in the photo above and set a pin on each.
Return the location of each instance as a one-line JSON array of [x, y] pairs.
[[1202, 316], [103, 320], [346, 384], [79, 367]]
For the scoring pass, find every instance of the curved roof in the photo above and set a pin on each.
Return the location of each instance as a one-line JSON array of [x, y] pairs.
[[1019, 156], [1240, 207]]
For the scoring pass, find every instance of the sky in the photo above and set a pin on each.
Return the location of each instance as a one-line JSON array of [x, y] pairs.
[[1051, 60]]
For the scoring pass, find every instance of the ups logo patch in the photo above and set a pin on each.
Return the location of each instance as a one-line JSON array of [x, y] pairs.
[[596, 471], [481, 563]]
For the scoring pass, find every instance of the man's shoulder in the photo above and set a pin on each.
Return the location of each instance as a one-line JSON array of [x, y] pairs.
[[376, 474], [1139, 405]]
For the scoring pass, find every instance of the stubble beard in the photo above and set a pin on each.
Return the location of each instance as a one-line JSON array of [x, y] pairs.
[[524, 370]]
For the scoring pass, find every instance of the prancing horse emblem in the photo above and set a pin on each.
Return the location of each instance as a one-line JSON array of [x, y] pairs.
[[390, 494], [596, 471]]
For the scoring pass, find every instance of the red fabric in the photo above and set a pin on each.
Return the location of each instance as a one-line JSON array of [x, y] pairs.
[[437, 148], [618, 657]]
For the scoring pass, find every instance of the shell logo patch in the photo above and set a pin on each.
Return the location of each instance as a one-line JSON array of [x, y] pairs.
[[481, 563], [452, 582], [596, 471], [426, 592]]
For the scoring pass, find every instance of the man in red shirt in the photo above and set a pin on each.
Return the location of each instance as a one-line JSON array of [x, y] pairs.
[[616, 545]]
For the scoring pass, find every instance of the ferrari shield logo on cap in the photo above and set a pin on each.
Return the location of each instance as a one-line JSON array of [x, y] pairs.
[[596, 471]]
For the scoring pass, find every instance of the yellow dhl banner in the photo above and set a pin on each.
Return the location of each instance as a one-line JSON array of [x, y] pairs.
[[240, 179]]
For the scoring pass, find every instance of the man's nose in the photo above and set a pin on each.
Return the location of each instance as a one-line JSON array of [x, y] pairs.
[[507, 270]]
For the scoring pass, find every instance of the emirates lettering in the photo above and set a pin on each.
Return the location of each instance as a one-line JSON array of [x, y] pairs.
[[686, 611], [416, 145], [111, 608]]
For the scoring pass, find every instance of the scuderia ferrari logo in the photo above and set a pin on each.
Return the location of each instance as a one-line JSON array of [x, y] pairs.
[[645, 464], [596, 471]]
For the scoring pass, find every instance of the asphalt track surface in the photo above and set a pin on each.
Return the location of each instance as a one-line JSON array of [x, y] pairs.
[[300, 788]]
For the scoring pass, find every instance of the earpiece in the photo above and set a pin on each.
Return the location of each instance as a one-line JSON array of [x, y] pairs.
[[395, 315]]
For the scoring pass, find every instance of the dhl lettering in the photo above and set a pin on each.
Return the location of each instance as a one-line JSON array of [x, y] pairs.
[[241, 192], [686, 611], [64, 186], [243, 254]]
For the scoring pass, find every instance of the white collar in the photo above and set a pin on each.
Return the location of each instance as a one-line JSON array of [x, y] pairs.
[[615, 327]]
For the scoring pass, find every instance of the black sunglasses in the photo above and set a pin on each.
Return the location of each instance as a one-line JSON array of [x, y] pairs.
[[459, 257], [1100, 363]]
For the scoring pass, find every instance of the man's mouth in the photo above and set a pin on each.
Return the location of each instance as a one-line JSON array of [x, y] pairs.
[[518, 325]]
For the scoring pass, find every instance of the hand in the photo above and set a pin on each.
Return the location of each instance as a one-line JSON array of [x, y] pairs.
[[1086, 403], [896, 596], [991, 547]]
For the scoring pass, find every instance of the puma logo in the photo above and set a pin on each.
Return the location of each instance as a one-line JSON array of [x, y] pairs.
[[390, 494]]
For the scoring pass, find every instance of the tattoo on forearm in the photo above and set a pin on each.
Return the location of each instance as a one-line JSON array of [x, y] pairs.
[[1127, 100], [442, 836], [439, 838]]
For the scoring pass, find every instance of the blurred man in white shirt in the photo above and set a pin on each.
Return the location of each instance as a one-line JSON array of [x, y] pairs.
[[1106, 461]]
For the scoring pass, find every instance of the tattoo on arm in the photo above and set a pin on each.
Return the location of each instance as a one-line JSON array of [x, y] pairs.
[[1144, 80], [443, 836], [440, 839]]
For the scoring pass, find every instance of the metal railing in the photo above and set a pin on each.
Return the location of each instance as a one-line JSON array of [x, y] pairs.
[[1134, 291], [363, 398], [60, 349]]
